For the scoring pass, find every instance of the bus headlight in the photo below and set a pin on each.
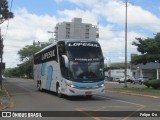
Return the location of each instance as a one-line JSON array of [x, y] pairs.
[[102, 85], [70, 84]]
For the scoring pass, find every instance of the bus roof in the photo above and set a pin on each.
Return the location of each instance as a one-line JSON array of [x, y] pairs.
[[64, 40], [46, 48]]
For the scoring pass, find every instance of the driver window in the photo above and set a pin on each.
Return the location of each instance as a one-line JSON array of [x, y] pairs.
[[61, 49]]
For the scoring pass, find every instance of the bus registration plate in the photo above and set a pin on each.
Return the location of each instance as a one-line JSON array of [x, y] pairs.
[[88, 93]]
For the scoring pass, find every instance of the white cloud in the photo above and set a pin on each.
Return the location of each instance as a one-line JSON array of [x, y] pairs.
[[82, 2], [140, 17], [23, 29], [114, 12], [87, 16]]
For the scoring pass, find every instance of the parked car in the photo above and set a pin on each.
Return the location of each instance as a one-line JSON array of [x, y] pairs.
[[116, 79], [140, 79], [129, 79]]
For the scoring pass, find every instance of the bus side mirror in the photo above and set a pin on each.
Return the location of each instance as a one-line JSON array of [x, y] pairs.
[[66, 61]]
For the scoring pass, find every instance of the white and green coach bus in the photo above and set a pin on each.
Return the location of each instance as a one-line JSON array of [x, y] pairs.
[[71, 68]]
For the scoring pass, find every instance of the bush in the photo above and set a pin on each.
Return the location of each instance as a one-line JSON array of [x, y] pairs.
[[146, 83], [155, 84]]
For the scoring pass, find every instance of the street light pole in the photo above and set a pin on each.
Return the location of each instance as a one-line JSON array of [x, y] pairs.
[[1, 52], [125, 72]]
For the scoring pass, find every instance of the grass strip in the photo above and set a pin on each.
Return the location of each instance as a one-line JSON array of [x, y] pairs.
[[139, 90]]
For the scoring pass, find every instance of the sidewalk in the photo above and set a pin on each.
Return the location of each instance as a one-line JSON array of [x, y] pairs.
[[5, 99]]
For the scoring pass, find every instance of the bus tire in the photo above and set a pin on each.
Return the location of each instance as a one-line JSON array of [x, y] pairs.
[[58, 91], [39, 87]]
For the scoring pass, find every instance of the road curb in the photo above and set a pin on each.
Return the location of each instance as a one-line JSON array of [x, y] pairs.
[[133, 94], [9, 101]]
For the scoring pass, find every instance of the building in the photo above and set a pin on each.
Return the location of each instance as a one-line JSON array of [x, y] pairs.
[[150, 70], [76, 30], [72, 30]]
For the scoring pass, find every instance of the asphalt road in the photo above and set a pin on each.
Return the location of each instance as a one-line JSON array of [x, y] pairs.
[[25, 97]]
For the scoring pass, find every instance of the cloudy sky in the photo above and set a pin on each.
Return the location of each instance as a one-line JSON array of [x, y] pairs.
[[33, 18]]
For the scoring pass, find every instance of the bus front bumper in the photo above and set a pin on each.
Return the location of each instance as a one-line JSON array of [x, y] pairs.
[[73, 91]]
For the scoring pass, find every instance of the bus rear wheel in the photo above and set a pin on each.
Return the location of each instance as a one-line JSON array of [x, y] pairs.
[[39, 87]]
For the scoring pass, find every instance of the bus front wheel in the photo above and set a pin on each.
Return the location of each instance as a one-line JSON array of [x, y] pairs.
[[59, 94], [89, 96]]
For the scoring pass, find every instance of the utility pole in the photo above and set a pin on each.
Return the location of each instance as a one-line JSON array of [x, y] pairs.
[[1, 52], [125, 72]]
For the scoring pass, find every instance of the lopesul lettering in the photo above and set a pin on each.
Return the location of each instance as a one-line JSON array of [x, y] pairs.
[[83, 44], [48, 55]]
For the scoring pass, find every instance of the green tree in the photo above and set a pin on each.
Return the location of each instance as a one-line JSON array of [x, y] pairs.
[[12, 72], [4, 12], [26, 53], [26, 56], [25, 69], [149, 49]]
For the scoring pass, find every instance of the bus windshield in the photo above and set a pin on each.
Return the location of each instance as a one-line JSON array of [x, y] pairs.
[[84, 51], [86, 61], [86, 71]]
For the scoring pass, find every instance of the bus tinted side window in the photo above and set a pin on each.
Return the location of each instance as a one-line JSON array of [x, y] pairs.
[[62, 51]]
